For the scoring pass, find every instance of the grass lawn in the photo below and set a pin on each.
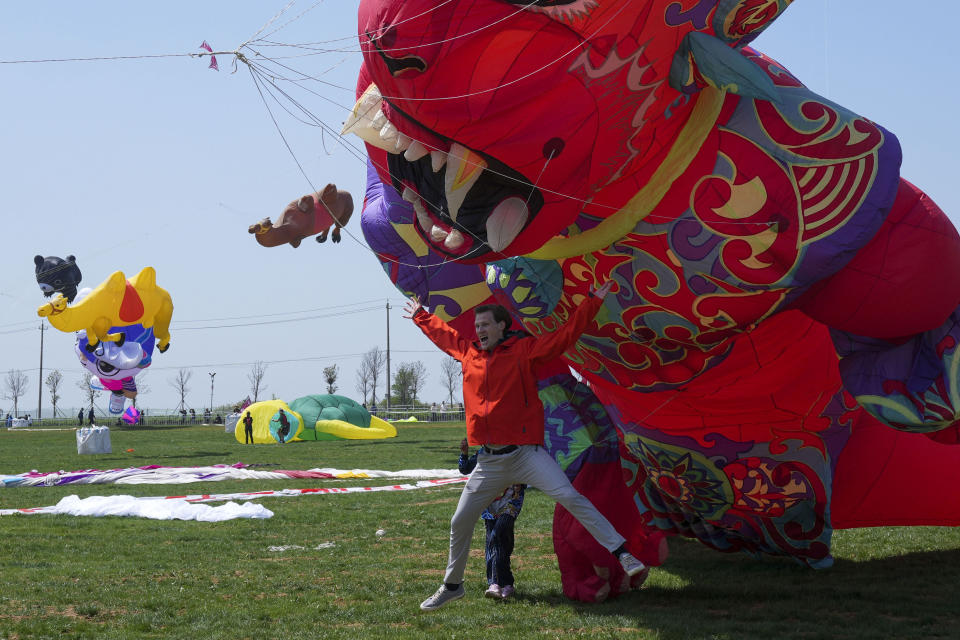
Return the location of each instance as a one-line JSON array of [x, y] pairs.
[[70, 577]]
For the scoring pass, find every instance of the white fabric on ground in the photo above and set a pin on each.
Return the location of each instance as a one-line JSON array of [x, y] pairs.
[[252, 495], [153, 509]]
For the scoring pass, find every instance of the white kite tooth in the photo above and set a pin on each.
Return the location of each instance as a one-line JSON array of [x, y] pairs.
[[506, 222], [422, 216], [437, 234], [409, 194], [363, 119], [361, 115], [454, 240], [415, 151], [403, 141], [437, 159], [464, 168]]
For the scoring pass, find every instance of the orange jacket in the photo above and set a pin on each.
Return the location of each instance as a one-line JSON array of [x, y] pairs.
[[499, 386]]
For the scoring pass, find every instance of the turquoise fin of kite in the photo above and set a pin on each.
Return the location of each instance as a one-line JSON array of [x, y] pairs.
[[719, 65]]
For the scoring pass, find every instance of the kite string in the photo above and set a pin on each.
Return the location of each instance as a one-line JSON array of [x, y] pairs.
[[359, 156], [267, 24]]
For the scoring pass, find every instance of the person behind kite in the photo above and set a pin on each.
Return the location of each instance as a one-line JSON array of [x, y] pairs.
[[284, 426], [498, 519]]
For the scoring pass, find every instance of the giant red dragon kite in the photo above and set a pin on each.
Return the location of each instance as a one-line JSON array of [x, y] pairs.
[[779, 355]]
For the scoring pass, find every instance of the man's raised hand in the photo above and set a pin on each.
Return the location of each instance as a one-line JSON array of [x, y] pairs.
[[412, 307]]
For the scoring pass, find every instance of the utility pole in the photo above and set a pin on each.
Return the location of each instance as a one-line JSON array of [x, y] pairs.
[[388, 356], [211, 390], [43, 328]]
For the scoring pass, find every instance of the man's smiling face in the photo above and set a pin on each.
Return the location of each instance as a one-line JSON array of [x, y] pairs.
[[489, 331]]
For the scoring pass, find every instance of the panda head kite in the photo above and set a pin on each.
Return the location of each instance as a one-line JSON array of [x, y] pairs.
[[56, 275]]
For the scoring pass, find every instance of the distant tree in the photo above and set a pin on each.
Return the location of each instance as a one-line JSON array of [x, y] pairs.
[[53, 381], [418, 378], [330, 375], [85, 385], [401, 385], [408, 382], [450, 375], [179, 382], [372, 366], [15, 385], [142, 386], [257, 371], [362, 383]]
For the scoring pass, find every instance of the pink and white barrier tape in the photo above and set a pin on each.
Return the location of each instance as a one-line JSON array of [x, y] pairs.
[[156, 474]]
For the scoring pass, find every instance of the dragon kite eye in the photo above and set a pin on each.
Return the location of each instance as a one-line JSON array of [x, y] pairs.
[[397, 63]]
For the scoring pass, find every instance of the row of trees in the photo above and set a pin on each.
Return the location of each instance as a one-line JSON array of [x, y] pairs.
[[407, 382], [15, 387]]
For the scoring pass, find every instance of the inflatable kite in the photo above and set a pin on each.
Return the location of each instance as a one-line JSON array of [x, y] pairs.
[[311, 214], [116, 367], [314, 417], [115, 324], [56, 275], [779, 355], [115, 302]]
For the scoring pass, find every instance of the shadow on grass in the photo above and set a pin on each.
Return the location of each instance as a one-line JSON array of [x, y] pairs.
[[701, 593]]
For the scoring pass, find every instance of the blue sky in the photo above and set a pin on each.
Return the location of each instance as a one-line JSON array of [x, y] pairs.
[[161, 161]]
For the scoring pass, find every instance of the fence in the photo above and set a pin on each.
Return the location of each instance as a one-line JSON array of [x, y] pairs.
[[421, 413], [401, 413]]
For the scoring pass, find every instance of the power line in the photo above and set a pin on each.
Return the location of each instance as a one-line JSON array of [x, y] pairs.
[[102, 58], [281, 321], [281, 313], [75, 373]]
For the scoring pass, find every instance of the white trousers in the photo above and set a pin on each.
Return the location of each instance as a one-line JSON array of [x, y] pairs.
[[530, 465]]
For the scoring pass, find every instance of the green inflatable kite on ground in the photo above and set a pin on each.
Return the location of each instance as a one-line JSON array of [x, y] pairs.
[[315, 417]]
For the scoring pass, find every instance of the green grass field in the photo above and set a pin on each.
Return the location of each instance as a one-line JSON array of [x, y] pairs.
[[70, 577]]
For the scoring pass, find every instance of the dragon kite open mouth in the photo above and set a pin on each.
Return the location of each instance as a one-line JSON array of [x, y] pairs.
[[467, 203]]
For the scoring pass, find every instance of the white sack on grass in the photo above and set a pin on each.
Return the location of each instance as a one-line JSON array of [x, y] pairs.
[[92, 440], [173, 509]]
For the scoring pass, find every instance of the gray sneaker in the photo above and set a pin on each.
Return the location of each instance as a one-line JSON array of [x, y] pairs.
[[442, 597], [630, 564]]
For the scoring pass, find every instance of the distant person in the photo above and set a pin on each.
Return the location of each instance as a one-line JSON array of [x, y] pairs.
[[247, 428], [80, 418], [284, 426], [193, 417], [9, 420], [90, 417]]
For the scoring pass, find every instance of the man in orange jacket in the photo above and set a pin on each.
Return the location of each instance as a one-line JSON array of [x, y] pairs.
[[505, 417]]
